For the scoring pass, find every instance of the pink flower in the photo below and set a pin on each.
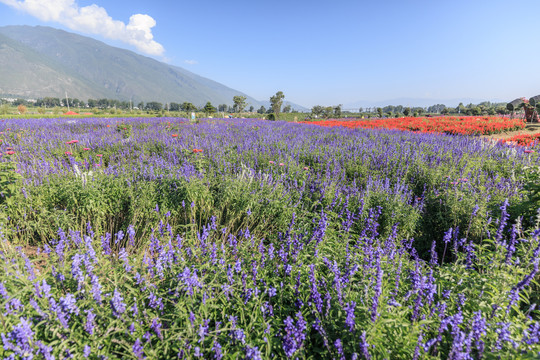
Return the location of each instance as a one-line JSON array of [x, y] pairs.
[[99, 155], [74, 141], [68, 153], [271, 162], [281, 164], [306, 168], [10, 152], [86, 149], [528, 151], [97, 165]]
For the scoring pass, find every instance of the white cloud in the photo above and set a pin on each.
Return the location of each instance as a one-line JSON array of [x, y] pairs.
[[94, 19], [191, 62]]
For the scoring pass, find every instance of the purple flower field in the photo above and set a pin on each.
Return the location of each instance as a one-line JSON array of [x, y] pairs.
[[246, 239]]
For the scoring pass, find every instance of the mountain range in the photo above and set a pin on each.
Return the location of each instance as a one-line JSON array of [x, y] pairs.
[[40, 61]]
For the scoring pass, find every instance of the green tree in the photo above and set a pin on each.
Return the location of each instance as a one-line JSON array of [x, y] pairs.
[[222, 107], [174, 106], [275, 103], [4, 109], [251, 108], [21, 109], [239, 103], [380, 112], [337, 111], [328, 111], [91, 103], [287, 109], [317, 110], [261, 110], [209, 108], [407, 111], [154, 106], [187, 106]]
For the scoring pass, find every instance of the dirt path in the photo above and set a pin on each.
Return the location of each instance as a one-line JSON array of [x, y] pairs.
[[530, 128]]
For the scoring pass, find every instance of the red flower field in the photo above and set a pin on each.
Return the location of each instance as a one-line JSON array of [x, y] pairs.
[[465, 125]]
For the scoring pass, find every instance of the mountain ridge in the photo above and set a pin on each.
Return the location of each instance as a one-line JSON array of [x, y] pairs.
[[42, 61]]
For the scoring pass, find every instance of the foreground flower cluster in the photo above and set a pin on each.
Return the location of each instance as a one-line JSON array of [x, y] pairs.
[[322, 291], [465, 125]]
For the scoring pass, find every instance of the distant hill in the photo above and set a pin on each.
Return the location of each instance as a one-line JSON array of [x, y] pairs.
[[41, 61]]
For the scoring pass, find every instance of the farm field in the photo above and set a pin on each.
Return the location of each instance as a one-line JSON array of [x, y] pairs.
[[246, 239]]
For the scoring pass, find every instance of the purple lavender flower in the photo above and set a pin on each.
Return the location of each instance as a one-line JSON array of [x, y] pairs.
[[45, 350], [156, 327], [131, 235], [339, 349], [315, 296], [68, 304], [216, 348], [117, 305], [203, 330], [349, 310], [502, 222], [20, 339], [138, 350], [192, 318], [124, 256], [3, 291], [531, 335], [238, 335], [478, 329], [106, 244], [154, 302], [90, 322], [295, 334], [514, 293], [433, 260], [504, 335], [378, 288], [364, 346], [190, 280], [87, 350], [253, 353]]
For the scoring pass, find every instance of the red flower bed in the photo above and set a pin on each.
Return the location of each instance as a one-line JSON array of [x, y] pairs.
[[523, 139], [465, 125]]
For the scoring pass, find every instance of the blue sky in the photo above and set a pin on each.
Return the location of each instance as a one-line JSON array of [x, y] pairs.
[[321, 52]]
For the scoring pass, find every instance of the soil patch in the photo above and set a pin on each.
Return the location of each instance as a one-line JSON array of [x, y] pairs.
[[530, 128]]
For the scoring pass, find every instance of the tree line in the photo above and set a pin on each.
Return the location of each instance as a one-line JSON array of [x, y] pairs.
[[239, 105]]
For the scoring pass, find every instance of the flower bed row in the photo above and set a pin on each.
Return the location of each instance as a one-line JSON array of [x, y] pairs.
[[523, 139], [465, 125]]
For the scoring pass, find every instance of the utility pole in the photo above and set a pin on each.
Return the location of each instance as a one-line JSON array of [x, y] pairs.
[[67, 101]]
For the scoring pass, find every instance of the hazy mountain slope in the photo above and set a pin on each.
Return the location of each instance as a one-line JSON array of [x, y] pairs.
[[27, 73], [88, 68]]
